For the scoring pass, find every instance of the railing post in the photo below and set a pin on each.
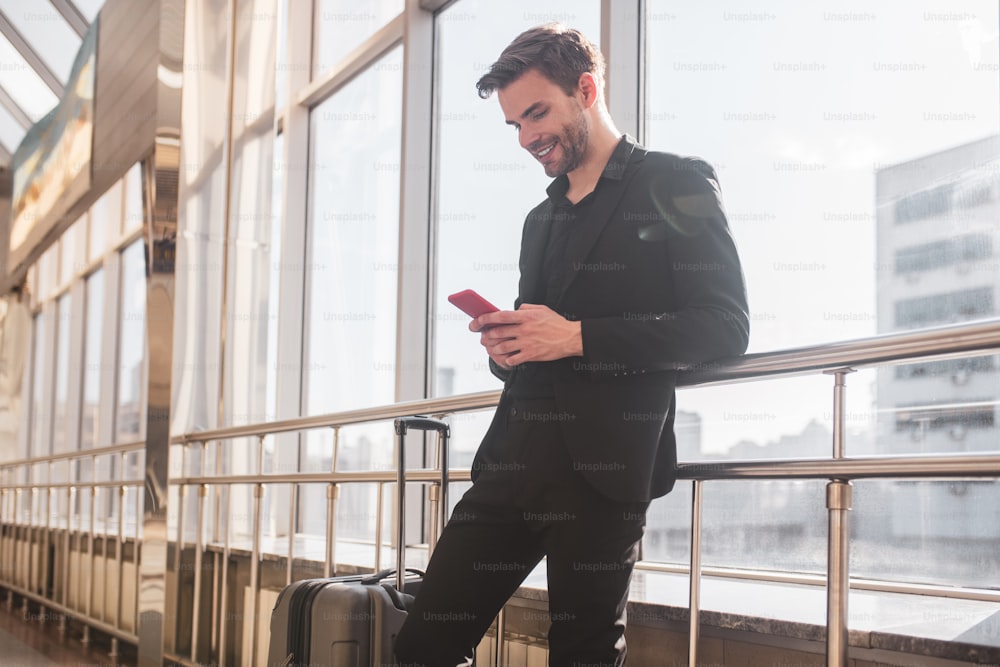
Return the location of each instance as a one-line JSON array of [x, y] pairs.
[[258, 495], [199, 549], [88, 602], [332, 494], [292, 512], [29, 543], [63, 621], [838, 503], [44, 556], [694, 595], [378, 526], [15, 496], [119, 557], [5, 561], [224, 603]]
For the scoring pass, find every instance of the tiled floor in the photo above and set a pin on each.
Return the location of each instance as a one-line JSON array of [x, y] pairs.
[[37, 644]]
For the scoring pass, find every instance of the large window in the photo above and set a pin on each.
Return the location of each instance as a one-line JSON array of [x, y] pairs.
[[252, 229], [64, 326], [90, 415], [487, 182], [129, 418], [340, 26], [857, 150], [352, 273], [353, 242], [39, 406]]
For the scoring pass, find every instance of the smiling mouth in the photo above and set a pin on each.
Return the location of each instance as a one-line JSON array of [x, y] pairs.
[[545, 151]]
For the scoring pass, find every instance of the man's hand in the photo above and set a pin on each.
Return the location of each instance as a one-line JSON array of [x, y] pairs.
[[530, 333]]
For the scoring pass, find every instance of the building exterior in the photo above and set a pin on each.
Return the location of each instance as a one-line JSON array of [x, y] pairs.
[[938, 250]]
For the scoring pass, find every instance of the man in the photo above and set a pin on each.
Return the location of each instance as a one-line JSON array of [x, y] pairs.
[[628, 273]]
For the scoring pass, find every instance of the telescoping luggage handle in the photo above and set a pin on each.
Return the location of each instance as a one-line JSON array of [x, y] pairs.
[[402, 425]]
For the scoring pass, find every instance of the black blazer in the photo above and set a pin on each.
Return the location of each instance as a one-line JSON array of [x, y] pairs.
[[654, 278]]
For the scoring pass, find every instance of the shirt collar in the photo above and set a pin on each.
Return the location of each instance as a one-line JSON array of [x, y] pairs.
[[614, 169]]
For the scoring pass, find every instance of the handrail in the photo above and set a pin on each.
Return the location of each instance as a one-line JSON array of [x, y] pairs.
[[953, 340], [428, 406], [967, 339], [980, 464], [137, 446]]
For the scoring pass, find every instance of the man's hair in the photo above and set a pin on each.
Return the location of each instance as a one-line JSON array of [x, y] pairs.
[[561, 54]]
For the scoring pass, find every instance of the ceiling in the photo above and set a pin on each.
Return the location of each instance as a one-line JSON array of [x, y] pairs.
[[38, 41]]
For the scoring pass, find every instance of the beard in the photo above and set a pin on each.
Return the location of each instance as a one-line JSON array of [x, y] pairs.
[[573, 142]]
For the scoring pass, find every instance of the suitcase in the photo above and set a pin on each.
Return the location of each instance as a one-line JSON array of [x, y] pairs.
[[353, 621]]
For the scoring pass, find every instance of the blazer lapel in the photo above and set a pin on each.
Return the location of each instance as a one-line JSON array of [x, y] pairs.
[[531, 289], [582, 240]]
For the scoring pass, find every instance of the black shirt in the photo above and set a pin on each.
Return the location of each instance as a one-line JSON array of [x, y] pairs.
[[534, 379]]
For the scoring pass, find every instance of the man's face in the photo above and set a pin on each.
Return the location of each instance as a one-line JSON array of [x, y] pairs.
[[551, 125]]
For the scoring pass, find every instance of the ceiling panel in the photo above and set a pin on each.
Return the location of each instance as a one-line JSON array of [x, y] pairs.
[[23, 84], [11, 131], [88, 8], [49, 34]]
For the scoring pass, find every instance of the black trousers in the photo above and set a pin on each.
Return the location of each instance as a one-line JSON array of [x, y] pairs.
[[528, 501]]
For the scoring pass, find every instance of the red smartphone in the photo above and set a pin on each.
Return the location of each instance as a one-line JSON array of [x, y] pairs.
[[471, 303]]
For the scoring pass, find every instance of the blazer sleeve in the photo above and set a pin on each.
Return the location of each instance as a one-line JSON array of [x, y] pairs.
[[710, 318]]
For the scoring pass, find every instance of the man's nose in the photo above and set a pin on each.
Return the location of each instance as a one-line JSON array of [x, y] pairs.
[[527, 138]]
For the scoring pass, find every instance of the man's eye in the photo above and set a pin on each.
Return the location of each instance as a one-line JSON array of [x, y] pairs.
[[540, 115]]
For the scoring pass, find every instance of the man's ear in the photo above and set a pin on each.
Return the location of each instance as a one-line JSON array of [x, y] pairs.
[[587, 85]]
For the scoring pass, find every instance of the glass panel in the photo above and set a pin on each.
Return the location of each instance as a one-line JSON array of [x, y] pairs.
[[40, 407], [106, 220], [251, 223], [201, 221], [11, 132], [481, 165], [863, 188], [342, 25], [352, 266], [47, 32], [274, 280], [354, 229], [24, 86], [905, 530], [133, 199], [361, 447], [68, 266], [97, 241], [92, 363], [32, 286], [60, 442], [282, 67], [48, 271], [785, 109], [131, 344], [15, 331], [89, 8]]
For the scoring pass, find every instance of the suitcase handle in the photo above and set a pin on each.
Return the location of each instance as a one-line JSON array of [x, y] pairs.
[[421, 423], [402, 425], [385, 574]]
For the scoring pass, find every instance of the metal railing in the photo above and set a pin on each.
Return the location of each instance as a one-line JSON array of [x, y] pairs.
[[43, 514], [837, 359]]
